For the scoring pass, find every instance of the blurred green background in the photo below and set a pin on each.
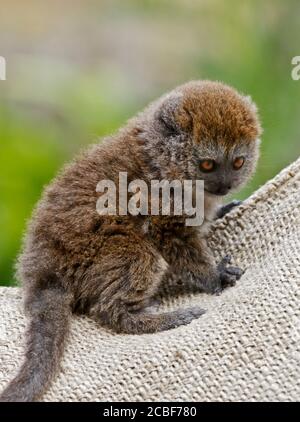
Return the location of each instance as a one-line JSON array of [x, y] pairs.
[[76, 70]]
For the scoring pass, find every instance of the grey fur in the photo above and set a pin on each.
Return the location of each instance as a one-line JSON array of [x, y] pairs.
[[111, 267]]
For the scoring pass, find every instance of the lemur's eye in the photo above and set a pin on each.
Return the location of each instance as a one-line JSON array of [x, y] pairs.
[[207, 165], [238, 163]]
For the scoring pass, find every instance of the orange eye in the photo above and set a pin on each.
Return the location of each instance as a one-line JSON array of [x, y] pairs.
[[207, 165], [238, 163]]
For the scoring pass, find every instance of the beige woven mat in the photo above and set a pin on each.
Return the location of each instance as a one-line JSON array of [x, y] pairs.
[[246, 346]]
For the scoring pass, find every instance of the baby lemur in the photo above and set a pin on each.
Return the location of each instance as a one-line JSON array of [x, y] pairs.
[[110, 267]]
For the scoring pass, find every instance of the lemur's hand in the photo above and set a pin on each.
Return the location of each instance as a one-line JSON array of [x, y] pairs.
[[214, 279], [228, 275], [227, 208]]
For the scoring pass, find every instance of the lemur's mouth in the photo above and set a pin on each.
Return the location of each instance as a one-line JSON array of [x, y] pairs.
[[218, 192]]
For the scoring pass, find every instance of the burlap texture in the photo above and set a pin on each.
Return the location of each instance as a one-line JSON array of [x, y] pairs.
[[245, 348]]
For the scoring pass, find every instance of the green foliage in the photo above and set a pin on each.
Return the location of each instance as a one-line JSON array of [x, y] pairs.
[[52, 105]]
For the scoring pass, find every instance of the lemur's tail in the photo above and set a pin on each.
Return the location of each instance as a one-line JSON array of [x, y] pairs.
[[50, 316]]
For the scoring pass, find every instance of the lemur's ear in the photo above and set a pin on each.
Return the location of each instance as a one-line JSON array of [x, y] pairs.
[[172, 115]]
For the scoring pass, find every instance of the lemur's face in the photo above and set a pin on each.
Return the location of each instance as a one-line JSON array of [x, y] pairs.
[[224, 169], [212, 131]]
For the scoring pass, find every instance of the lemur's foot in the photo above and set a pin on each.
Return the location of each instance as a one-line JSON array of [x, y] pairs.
[[185, 316], [153, 305], [228, 274], [227, 208]]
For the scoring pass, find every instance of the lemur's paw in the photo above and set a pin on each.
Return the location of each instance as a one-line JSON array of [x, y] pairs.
[[228, 274], [185, 316], [227, 208]]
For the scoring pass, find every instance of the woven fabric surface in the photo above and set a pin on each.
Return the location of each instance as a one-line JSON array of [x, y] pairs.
[[246, 347]]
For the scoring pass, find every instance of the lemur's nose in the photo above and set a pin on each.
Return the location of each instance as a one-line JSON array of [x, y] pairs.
[[222, 189]]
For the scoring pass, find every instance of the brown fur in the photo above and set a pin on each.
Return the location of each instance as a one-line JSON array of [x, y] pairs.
[[225, 119], [111, 267]]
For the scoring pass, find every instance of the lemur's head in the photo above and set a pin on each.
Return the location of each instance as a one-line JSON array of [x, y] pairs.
[[205, 130]]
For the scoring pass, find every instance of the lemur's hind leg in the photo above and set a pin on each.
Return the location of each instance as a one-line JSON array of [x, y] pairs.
[[132, 279]]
